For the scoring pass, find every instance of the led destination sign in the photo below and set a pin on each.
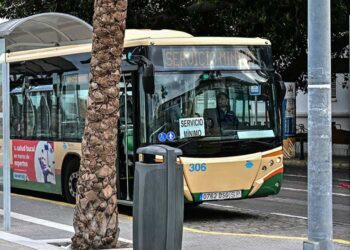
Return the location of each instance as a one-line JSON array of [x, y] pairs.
[[210, 58]]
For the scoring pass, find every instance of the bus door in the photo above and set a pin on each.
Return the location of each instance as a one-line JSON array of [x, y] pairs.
[[125, 160]]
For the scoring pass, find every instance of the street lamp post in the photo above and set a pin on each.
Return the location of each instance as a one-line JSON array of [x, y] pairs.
[[319, 127], [4, 68]]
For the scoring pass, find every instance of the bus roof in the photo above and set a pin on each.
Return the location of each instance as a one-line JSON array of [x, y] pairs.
[[172, 37], [139, 37], [141, 34]]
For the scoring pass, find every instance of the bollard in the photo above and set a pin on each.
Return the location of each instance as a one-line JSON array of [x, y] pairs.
[[158, 200]]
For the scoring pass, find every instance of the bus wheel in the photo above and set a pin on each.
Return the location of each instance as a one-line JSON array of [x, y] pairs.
[[70, 180]]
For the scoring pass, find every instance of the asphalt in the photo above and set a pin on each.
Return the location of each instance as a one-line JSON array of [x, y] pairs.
[[338, 162], [42, 224]]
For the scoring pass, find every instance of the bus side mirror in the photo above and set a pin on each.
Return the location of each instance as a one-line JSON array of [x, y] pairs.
[[148, 79], [148, 71]]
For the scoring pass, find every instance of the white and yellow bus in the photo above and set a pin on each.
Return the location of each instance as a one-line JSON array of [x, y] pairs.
[[170, 88]]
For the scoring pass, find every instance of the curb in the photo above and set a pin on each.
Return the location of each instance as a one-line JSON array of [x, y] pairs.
[[66, 244], [20, 242]]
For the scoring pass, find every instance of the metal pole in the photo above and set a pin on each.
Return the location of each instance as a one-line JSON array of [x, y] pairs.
[[256, 110], [319, 127], [171, 212], [6, 137], [126, 134]]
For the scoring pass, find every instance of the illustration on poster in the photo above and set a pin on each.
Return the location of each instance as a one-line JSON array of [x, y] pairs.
[[33, 161], [45, 163]]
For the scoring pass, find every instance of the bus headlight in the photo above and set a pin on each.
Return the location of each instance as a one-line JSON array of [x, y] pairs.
[[271, 162], [279, 159]]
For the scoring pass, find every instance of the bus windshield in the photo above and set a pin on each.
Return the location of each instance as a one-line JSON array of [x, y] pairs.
[[194, 110]]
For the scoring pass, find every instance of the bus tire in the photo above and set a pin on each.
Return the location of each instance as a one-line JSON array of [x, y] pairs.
[[193, 204], [70, 180]]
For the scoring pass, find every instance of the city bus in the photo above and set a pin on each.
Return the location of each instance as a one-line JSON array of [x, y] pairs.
[[171, 88]]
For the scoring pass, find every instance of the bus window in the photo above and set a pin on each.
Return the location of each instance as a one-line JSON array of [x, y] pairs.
[[73, 93], [40, 97], [249, 105], [69, 115], [252, 111], [72, 113], [125, 135]]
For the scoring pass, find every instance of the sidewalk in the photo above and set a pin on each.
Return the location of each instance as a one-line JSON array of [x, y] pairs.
[[31, 228], [192, 239], [41, 237], [46, 224]]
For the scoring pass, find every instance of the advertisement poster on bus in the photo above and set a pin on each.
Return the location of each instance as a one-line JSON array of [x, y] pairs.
[[33, 161]]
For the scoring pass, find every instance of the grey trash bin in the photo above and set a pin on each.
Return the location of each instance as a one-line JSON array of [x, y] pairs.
[[158, 200]]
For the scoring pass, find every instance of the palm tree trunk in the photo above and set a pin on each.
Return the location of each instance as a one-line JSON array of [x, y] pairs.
[[96, 213]]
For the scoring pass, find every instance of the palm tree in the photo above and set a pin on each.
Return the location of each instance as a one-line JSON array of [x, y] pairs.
[[96, 214]]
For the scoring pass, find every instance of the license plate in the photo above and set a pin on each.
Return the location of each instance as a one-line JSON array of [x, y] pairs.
[[220, 195]]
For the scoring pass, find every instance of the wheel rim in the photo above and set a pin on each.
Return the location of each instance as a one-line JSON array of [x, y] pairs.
[[72, 184]]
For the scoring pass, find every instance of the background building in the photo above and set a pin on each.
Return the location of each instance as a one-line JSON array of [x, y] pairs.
[[340, 115]]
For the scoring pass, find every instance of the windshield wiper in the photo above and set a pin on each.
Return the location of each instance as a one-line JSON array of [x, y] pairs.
[[156, 131], [260, 142], [189, 140]]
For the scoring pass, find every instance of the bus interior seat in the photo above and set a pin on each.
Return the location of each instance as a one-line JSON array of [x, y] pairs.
[[174, 114], [54, 119], [172, 117], [211, 116], [30, 118], [122, 110], [82, 109], [44, 119], [16, 115]]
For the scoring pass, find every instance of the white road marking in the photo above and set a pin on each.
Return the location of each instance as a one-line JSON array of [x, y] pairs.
[[291, 216], [304, 176], [60, 240], [245, 209], [26, 241], [224, 206], [228, 206], [47, 223], [42, 222], [305, 191]]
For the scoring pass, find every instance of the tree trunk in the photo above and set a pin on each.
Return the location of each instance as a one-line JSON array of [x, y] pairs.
[[96, 213]]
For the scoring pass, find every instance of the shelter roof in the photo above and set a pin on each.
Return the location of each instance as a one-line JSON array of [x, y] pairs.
[[44, 30]]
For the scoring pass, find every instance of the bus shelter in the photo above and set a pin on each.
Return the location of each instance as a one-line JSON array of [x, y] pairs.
[[20, 35]]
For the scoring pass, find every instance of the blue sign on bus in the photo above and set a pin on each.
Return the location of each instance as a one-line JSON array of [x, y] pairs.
[[162, 137], [255, 90]]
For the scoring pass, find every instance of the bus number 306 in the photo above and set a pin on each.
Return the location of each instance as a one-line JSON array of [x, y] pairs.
[[197, 167]]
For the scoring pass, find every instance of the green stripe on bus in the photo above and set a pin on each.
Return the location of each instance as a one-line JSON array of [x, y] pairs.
[[270, 187]]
